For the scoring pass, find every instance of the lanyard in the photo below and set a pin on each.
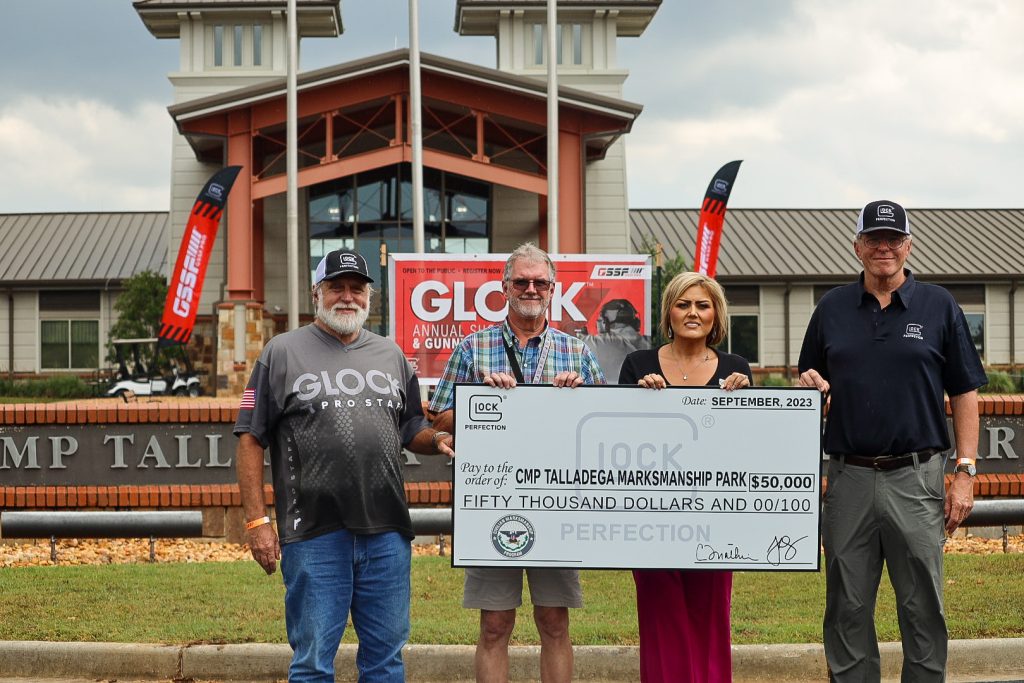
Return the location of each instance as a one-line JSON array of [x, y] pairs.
[[514, 362]]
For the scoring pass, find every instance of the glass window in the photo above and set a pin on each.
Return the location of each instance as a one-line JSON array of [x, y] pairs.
[[257, 45], [375, 196], [976, 326], [467, 212], [69, 344], [238, 46], [742, 339], [218, 46], [332, 211], [78, 300], [363, 211], [558, 42], [577, 43], [971, 298], [53, 336], [85, 344], [538, 44], [742, 295], [967, 295]]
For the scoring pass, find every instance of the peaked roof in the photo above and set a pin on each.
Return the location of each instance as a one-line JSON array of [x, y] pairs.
[[275, 87], [65, 248], [817, 244]]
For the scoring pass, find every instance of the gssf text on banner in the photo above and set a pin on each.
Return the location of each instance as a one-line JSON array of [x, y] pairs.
[[625, 477]]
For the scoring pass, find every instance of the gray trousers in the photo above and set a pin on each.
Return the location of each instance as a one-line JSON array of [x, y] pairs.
[[896, 517]]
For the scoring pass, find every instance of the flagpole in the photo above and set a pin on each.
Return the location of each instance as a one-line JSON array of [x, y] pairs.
[[552, 127], [291, 168], [416, 123]]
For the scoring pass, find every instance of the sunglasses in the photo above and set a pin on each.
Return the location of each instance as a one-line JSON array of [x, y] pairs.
[[522, 284]]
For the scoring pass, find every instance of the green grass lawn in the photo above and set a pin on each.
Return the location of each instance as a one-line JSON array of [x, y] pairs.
[[236, 602]]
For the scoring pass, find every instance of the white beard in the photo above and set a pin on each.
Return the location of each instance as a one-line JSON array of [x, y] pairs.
[[344, 325], [529, 309]]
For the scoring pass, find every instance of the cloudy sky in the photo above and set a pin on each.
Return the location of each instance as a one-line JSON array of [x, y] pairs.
[[830, 103]]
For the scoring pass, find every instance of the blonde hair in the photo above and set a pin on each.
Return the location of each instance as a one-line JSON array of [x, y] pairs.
[[674, 290]]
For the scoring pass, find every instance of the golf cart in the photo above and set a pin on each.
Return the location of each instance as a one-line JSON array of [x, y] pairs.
[[135, 376]]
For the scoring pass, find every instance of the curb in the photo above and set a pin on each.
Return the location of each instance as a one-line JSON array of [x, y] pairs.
[[998, 657]]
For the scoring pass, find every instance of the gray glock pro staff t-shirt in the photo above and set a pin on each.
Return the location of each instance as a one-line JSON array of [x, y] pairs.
[[335, 417]]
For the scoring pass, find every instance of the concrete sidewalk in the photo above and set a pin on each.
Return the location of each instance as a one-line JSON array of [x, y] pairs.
[[969, 660]]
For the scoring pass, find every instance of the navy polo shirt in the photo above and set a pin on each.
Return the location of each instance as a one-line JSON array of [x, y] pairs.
[[888, 367]]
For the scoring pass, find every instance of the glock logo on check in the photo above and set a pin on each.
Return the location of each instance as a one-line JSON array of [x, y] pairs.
[[485, 408]]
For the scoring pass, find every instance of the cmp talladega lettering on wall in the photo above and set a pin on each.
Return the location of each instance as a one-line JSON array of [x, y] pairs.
[[141, 454]]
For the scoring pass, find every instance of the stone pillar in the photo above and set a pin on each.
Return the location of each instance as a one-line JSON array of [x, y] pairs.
[[238, 348]]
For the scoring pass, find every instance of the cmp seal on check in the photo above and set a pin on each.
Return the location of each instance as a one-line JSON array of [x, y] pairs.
[[620, 477]]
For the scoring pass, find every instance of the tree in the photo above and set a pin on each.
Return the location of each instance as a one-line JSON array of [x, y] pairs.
[[139, 308], [670, 268]]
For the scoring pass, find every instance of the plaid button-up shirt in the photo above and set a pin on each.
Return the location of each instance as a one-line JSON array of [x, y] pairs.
[[483, 352]]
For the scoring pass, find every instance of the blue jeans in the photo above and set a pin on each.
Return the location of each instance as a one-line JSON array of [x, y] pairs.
[[327, 576]]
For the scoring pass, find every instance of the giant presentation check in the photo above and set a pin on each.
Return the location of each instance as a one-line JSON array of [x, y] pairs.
[[624, 477]]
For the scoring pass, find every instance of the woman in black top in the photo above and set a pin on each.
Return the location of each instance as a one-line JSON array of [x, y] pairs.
[[685, 631]]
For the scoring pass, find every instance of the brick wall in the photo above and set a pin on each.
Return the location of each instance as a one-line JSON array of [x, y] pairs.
[[221, 503]]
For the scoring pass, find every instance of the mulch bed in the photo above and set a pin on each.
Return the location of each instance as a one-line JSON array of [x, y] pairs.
[[132, 551]]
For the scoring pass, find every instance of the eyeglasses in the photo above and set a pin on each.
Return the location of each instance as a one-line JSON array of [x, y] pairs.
[[891, 242], [522, 284]]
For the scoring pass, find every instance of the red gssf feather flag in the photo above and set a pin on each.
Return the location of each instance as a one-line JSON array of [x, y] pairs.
[[712, 218], [190, 269]]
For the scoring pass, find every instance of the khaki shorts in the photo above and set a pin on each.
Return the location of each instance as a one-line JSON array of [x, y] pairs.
[[502, 589]]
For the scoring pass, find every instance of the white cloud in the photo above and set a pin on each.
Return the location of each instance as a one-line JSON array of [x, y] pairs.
[[922, 101], [83, 155], [829, 102]]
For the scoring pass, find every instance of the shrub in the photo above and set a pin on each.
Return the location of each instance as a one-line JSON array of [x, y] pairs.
[[774, 381], [999, 382], [61, 386]]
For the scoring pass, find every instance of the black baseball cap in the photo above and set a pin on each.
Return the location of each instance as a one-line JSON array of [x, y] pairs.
[[883, 215], [341, 262]]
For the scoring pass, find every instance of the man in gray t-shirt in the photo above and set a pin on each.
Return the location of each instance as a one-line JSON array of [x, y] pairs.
[[335, 404]]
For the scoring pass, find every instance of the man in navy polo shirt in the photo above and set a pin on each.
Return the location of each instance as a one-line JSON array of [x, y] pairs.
[[886, 348]]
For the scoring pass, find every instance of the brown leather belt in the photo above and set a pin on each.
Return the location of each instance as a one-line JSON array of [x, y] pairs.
[[888, 462]]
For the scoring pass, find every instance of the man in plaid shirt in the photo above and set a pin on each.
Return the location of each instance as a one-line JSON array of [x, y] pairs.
[[523, 348]]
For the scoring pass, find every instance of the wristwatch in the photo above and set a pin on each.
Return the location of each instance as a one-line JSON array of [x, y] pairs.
[[438, 438], [967, 467]]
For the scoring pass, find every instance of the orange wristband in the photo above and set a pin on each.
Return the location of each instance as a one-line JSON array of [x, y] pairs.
[[249, 526]]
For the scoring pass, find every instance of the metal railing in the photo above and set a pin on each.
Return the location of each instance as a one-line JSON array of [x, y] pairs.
[[425, 521], [101, 524]]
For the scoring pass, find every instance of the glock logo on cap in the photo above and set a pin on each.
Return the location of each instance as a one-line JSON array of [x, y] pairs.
[[348, 260], [886, 211]]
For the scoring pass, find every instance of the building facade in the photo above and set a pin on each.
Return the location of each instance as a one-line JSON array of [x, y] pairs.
[[484, 140], [485, 189]]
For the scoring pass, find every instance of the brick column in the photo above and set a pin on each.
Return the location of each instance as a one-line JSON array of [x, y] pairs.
[[234, 368]]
